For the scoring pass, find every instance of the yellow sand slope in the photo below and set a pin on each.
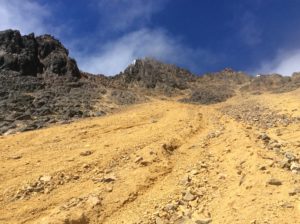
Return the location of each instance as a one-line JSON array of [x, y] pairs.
[[159, 162]]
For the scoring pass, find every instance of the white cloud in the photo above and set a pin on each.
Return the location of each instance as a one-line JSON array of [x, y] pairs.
[[116, 55], [119, 15], [24, 15], [112, 56], [285, 63]]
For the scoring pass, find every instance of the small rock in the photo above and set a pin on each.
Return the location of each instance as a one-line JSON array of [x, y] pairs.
[[264, 137], [86, 153], [203, 221], [15, 157], [45, 178], [294, 192], [109, 188], [138, 159], [188, 196], [185, 180], [109, 178], [262, 167], [194, 172], [93, 200], [290, 156], [295, 167], [77, 217], [285, 164], [159, 221], [170, 207], [274, 181]]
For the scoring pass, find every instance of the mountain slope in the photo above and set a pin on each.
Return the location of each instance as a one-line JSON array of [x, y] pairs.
[[159, 162]]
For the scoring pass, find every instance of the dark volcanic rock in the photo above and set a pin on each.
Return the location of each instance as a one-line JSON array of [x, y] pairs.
[[19, 53], [40, 84], [28, 56], [54, 57], [152, 74]]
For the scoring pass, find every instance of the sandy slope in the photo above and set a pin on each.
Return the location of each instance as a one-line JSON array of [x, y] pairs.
[[158, 162]]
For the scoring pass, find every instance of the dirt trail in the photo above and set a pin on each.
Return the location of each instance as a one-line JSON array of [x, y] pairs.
[[159, 162]]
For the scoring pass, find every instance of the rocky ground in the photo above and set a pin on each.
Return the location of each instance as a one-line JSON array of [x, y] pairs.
[[160, 162]]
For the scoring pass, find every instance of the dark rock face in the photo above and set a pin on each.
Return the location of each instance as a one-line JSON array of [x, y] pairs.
[[152, 74], [40, 84], [19, 54], [29, 56], [54, 57]]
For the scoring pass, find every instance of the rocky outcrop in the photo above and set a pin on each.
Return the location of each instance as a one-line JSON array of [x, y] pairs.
[[227, 77], [29, 55], [40, 84], [154, 75], [273, 83]]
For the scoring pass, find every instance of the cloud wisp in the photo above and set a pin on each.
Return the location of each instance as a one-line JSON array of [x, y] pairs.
[[285, 63], [116, 55], [121, 15], [27, 16]]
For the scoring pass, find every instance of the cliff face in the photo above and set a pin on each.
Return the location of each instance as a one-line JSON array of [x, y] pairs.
[[40, 83], [29, 55]]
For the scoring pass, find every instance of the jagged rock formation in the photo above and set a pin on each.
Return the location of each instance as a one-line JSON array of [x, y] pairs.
[[40, 84], [151, 74], [29, 56]]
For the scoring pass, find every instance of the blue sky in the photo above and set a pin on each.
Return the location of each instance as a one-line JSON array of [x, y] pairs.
[[104, 36]]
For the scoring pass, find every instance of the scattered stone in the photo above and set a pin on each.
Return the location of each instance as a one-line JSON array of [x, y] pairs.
[[194, 172], [185, 180], [290, 156], [170, 207], [274, 181], [109, 188], [93, 200], [78, 217], [158, 220], [138, 159], [203, 221], [188, 196], [285, 164], [295, 167], [294, 191], [15, 157], [45, 178], [171, 146], [86, 153], [262, 167], [264, 137], [109, 178], [286, 205]]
